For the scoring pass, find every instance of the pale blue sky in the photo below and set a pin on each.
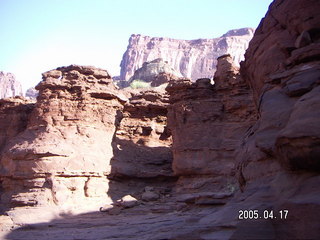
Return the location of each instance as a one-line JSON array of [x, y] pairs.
[[40, 35]]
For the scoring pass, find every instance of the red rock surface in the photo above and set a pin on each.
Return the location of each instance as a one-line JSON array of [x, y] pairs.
[[14, 113]]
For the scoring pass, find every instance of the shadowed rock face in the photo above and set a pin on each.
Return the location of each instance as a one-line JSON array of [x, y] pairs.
[[9, 86], [14, 114], [142, 143], [191, 58]]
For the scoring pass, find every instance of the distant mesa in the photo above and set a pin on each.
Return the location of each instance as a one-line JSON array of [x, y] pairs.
[[9, 86], [239, 32], [192, 59]]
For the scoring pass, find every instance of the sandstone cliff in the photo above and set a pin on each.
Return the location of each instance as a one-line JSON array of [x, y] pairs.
[[191, 58], [142, 156], [9, 86]]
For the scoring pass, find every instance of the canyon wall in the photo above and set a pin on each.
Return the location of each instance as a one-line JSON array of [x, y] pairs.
[[9, 86], [191, 58]]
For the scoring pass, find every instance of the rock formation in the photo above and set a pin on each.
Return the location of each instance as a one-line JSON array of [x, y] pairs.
[[14, 114], [71, 147], [156, 72], [207, 122], [59, 153], [279, 157], [83, 142], [32, 93], [142, 142], [142, 156], [191, 58], [9, 86]]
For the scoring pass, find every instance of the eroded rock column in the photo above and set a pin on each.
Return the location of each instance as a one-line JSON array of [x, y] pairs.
[[63, 155]]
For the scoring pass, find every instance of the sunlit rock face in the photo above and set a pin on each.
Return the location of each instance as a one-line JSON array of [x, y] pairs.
[[9, 86], [191, 58], [60, 153]]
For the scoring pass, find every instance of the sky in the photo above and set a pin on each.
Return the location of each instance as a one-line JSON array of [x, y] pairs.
[[40, 35]]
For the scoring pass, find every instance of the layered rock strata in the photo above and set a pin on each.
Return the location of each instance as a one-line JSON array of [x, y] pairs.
[[207, 122], [191, 58], [9, 86], [60, 153]]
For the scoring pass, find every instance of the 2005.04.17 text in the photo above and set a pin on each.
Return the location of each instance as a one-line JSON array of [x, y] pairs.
[[266, 214]]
